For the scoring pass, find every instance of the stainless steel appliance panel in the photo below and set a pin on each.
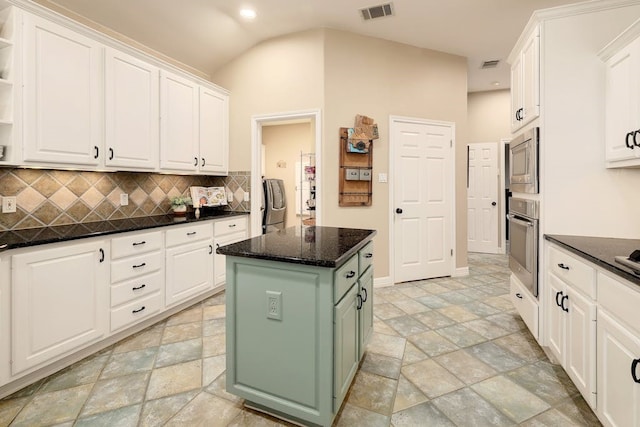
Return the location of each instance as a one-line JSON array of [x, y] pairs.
[[523, 162], [523, 248]]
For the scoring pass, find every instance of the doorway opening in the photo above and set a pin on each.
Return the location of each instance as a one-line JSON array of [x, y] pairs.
[[284, 148]]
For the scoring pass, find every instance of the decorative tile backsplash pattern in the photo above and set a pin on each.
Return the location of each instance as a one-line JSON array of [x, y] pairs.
[[58, 197]]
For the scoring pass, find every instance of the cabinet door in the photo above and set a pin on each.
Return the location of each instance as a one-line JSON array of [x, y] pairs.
[[63, 95], [60, 302], [220, 268], [179, 123], [618, 392], [557, 324], [621, 103], [516, 93], [346, 356], [189, 270], [366, 311], [580, 359], [132, 112], [531, 79], [214, 131]]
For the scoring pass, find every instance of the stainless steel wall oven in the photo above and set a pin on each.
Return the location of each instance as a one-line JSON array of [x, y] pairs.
[[523, 238]]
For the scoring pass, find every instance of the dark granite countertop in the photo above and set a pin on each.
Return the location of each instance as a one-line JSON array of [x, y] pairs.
[[601, 251], [317, 246], [60, 233]]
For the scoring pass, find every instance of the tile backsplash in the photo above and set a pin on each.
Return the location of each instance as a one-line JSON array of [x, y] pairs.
[[58, 197]]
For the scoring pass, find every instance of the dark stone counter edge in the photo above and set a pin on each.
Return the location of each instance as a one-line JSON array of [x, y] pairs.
[[29, 237], [613, 268], [304, 261]]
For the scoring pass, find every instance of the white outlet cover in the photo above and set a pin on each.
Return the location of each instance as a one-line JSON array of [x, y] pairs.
[[124, 199], [246, 196]]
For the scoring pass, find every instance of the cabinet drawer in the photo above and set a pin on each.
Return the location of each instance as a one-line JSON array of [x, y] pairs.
[[619, 299], [135, 288], [577, 273], [135, 311], [135, 244], [526, 305], [345, 277], [365, 257], [135, 266], [182, 235], [231, 225]]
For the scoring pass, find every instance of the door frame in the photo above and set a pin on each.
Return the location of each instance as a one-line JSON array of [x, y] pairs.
[[502, 216], [257, 121], [393, 120]]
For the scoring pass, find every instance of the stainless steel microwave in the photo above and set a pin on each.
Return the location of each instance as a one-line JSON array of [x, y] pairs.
[[523, 162]]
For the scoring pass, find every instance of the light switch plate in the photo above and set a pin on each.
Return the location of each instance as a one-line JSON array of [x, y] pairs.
[[246, 196], [382, 177]]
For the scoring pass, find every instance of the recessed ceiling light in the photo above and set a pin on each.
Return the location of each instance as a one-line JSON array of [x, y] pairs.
[[248, 13]]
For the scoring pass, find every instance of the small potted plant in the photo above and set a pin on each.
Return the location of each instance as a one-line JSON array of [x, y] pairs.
[[179, 205]]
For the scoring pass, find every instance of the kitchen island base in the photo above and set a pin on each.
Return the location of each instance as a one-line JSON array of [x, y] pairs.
[[296, 333]]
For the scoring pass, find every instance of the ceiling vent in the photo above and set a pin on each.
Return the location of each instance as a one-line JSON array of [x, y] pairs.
[[490, 64], [374, 12]]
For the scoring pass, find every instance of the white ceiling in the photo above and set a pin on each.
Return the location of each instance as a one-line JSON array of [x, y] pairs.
[[206, 34]]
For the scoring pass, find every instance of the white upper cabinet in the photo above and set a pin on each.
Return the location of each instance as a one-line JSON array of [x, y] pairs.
[[179, 146], [194, 126], [62, 95], [214, 131], [622, 105], [525, 82], [132, 112]]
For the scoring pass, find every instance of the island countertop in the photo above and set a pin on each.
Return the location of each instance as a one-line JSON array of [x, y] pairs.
[[317, 246]]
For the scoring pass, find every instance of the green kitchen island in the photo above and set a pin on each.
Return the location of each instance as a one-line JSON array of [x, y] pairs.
[[299, 309]]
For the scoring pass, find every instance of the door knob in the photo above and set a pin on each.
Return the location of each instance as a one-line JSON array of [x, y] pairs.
[[493, 203], [398, 210]]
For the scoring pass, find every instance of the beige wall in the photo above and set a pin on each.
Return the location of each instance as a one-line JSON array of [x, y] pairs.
[[489, 116], [344, 74], [279, 75], [379, 78], [283, 145]]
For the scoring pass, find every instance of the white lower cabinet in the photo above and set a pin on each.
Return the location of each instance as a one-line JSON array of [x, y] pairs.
[[137, 278], [60, 302], [226, 232], [618, 352], [525, 304], [571, 305], [188, 262]]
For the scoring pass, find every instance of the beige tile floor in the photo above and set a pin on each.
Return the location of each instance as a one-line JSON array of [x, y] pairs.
[[445, 352]]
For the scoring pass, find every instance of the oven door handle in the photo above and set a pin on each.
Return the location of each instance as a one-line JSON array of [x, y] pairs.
[[519, 221]]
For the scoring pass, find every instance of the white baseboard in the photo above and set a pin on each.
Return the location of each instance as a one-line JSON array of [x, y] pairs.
[[461, 271], [382, 282]]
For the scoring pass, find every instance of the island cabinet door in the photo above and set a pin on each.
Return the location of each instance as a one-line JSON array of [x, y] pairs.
[[366, 311], [347, 356]]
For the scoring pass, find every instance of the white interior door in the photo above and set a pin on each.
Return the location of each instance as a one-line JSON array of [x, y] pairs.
[[423, 199], [482, 198]]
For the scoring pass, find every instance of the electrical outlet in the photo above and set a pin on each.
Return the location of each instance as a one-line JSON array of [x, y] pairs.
[[246, 196], [229, 197], [274, 305], [124, 199], [8, 204]]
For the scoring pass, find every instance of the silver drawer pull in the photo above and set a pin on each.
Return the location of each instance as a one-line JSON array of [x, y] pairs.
[[350, 274]]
